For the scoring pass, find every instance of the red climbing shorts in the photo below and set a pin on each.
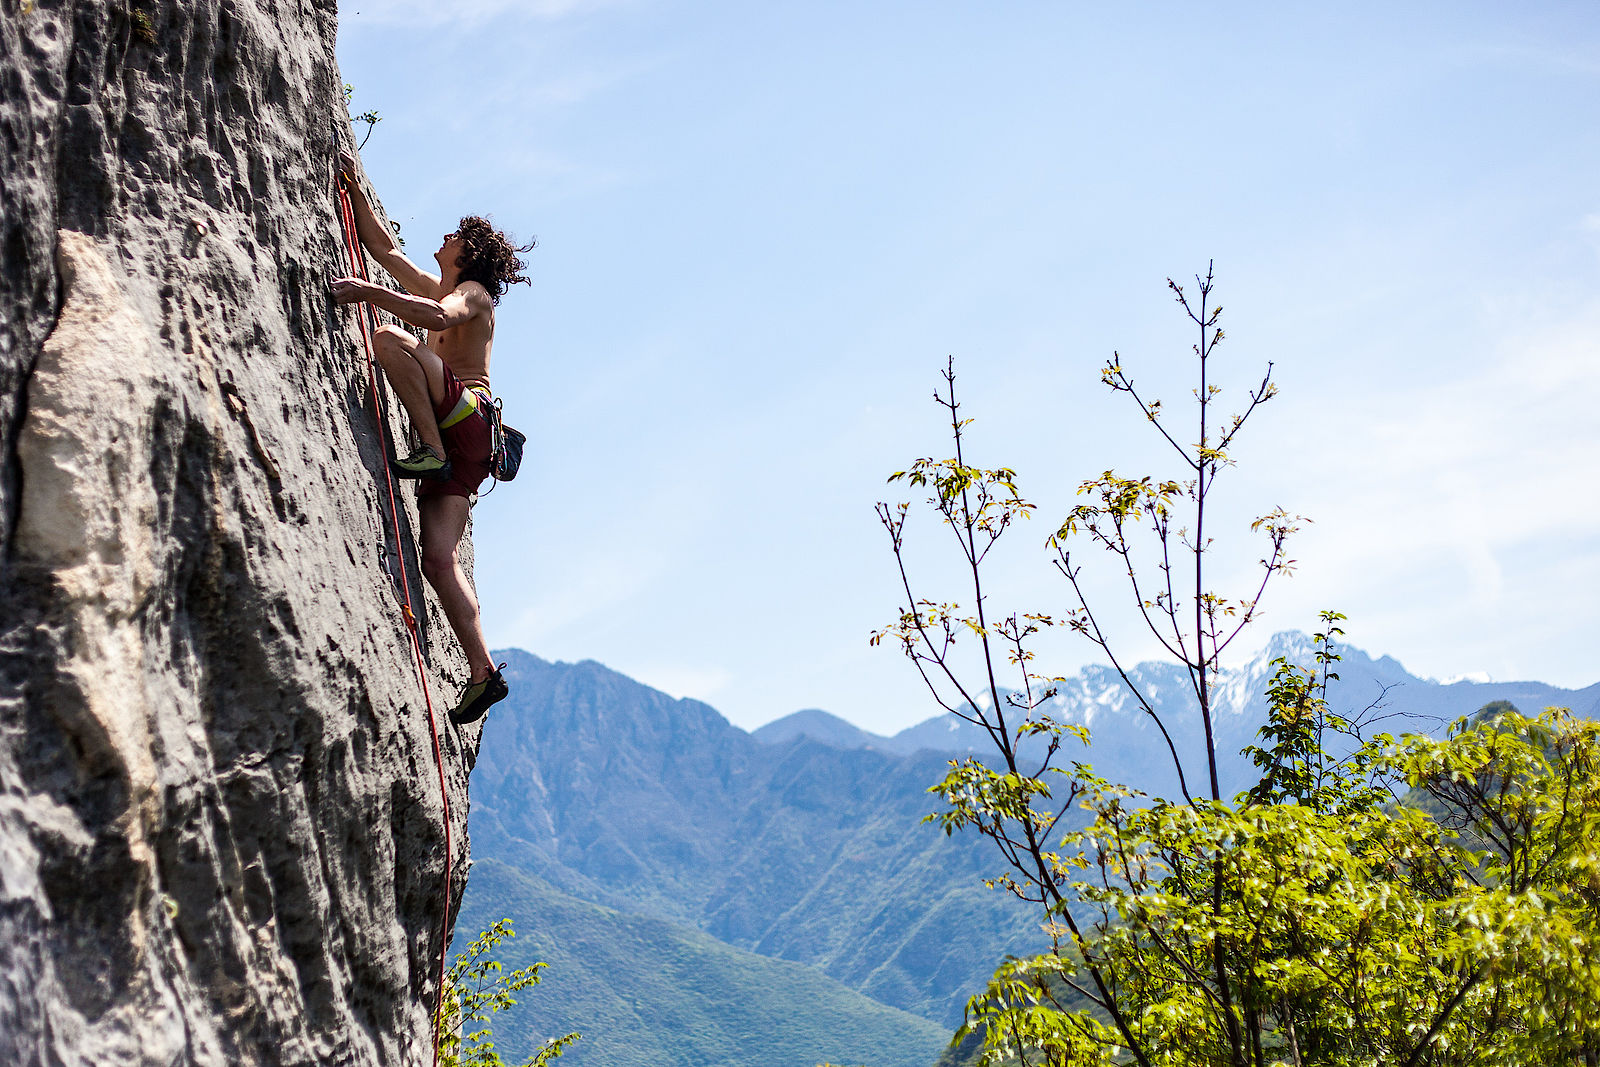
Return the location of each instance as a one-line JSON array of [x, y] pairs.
[[465, 429]]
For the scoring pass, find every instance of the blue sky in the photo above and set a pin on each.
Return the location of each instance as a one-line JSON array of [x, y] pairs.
[[763, 228]]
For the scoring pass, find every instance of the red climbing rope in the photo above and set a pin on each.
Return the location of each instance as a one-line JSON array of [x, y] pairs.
[[358, 267]]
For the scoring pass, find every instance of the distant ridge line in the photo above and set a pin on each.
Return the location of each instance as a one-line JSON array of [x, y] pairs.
[[1083, 698]]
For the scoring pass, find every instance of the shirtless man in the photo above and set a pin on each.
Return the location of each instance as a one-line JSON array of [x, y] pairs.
[[444, 386]]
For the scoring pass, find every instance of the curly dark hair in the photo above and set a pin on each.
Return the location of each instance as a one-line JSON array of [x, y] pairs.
[[490, 258]]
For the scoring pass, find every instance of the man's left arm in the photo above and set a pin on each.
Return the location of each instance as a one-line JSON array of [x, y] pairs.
[[461, 304]]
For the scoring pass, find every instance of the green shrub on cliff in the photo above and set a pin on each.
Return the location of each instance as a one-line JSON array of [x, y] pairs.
[[477, 987]]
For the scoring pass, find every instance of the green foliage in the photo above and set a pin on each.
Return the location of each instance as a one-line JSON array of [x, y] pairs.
[[370, 117], [143, 27], [1370, 900], [477, 987], [1351, 931]]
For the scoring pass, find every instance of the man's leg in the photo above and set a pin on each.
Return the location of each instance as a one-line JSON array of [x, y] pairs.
[[444, 521], [416, 373]]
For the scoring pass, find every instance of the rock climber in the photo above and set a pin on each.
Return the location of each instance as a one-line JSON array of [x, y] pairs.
[[444, 386]]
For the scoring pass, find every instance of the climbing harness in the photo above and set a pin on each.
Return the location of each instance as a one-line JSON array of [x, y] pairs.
[[505, 445], [505, 456], [358, 267]]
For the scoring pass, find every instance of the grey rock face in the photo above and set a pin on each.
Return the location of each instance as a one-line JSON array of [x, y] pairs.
[[221, 825]]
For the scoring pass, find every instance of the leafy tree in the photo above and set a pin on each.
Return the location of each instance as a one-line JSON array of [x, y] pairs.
[[1369, 900], [476, 987]]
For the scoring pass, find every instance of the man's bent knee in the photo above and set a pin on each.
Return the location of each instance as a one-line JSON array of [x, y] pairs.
[[390, 339], [438, 565]]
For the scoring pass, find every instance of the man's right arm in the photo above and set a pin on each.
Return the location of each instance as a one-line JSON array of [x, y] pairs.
[[377, 239]]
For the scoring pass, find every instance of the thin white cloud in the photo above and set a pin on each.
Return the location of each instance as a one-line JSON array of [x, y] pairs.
[[1590, 227], [1458, 514], [470, 13], [1502, 447], [680, 680]]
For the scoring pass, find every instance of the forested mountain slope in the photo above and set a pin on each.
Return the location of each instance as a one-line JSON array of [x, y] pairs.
[[620, 795], [645, 992]]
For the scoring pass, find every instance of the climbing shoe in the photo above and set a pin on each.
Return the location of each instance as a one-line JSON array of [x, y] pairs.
[[476, 698], [425, 462]]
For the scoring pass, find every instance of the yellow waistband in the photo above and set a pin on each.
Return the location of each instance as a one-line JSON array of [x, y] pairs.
[[464, 407]]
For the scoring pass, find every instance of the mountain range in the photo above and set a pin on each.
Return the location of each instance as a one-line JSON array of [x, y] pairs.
[[1128, 748], [775, 896]]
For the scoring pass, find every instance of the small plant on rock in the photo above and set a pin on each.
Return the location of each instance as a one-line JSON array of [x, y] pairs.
[[477, 987]]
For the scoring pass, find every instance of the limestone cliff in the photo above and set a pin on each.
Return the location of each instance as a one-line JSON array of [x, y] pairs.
[[221, 828]]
